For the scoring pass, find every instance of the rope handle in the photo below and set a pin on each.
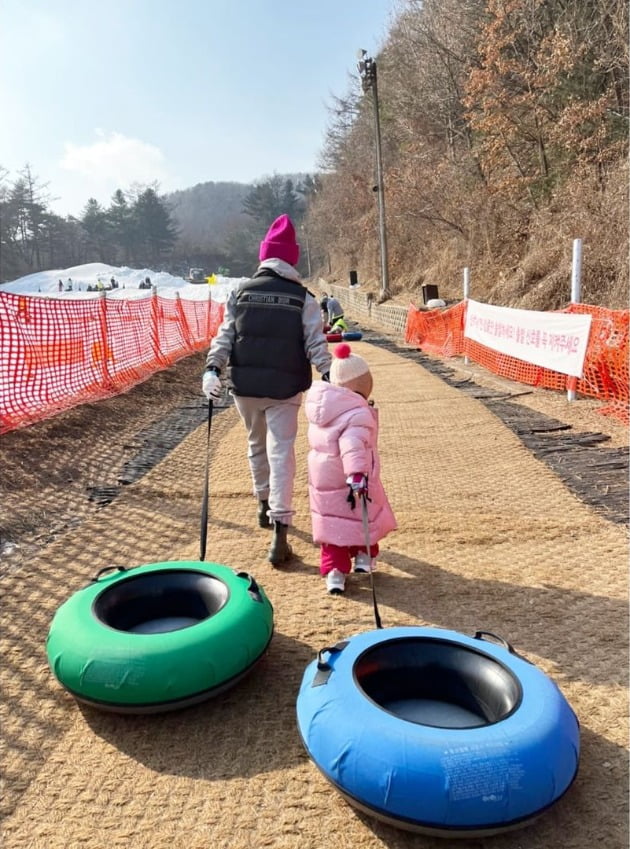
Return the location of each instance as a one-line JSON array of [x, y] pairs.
[[366, 532], [203, 534]]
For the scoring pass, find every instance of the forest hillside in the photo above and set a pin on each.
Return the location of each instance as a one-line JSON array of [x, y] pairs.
[[504, 137], [206, 213]]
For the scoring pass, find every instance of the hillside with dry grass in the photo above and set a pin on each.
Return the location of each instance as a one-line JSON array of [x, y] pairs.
[[504, 137]]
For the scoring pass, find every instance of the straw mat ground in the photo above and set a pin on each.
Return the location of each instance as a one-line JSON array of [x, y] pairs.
[[488, 538]]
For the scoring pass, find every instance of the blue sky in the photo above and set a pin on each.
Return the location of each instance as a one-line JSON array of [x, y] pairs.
[[98, 94]]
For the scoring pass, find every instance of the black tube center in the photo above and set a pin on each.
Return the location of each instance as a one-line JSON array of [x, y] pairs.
[[163, 601], [437, 682]]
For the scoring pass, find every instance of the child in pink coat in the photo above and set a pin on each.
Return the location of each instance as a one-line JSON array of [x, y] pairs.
[[343, 468]]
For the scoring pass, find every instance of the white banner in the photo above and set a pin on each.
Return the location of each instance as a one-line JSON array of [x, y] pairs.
[[553, 340]]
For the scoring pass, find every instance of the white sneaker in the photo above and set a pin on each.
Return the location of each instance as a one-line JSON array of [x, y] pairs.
[[335, 582], [364, 563]]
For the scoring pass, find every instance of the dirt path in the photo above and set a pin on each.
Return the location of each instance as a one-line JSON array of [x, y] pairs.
[[489, 538], [60, 471]]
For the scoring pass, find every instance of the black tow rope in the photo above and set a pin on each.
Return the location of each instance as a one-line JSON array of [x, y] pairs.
[[366, 531], [204, 500]]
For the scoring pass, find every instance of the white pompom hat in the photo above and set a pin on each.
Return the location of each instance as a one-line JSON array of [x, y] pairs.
[[346, 366]]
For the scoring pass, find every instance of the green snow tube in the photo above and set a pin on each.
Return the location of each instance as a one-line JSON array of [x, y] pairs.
[[159, 637]]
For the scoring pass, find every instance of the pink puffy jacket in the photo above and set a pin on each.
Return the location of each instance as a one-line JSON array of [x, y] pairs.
[[343, 435]]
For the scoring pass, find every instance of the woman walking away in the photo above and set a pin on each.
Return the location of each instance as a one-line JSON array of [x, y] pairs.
[[344, 468], [271, 336]]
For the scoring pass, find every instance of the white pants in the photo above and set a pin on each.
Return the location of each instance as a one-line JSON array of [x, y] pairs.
[[271, 430]]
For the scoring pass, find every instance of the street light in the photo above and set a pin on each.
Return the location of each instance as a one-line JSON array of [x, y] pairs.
[[367, 72]]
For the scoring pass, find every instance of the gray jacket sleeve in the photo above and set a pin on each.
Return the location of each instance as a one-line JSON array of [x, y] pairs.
[[315, 343], [221, 345]]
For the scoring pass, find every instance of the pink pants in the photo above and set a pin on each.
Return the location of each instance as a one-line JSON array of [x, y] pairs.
[[340, 556]]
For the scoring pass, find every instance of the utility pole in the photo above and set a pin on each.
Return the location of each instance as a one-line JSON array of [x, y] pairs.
[[367, 72], [308, 251]]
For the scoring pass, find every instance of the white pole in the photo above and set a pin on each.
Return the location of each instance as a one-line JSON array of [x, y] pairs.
[[576, 282], [576, 272], [466, 296]]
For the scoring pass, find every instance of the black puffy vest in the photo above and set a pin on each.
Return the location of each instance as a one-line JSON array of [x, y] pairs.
[[268, 358]]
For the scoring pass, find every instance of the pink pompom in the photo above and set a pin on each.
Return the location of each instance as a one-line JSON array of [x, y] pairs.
[[342, 351]]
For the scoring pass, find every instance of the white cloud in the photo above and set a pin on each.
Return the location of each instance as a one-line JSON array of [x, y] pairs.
[[115, 160]]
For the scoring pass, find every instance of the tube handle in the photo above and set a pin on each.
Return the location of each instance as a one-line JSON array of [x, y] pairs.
[[481, 635], [106, 569], [253, 589], [324, 669]]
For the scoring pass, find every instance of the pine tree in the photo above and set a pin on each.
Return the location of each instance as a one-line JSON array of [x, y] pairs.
[[121, 225], [155, 231], [275, 196], [96, 225]]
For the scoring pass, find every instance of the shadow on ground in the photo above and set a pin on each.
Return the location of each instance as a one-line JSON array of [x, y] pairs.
[[535, 620], [236, 734]]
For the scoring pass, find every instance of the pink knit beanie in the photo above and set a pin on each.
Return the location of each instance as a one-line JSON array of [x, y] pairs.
[[279, 243]]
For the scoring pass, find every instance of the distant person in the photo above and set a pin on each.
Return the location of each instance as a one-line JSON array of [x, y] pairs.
[[271, 336], [335, 310], [114, 285], [147, 282], [323, 305], [339, 326], [60, 285], [344, 470]]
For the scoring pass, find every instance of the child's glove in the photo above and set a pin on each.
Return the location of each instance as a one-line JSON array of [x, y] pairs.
[[358, 483], [211, 385], [357, 488]]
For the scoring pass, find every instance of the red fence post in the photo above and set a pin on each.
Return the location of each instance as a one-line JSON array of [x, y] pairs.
[[186, 334], [105, 351], [156, 347]]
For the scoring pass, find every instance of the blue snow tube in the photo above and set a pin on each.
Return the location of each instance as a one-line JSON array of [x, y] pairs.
[[436, 732]]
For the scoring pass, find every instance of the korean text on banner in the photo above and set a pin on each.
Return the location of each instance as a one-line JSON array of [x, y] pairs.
[[554, 340]]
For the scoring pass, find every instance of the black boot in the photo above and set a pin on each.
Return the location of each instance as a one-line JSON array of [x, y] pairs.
[[280, 550], [263, 519]]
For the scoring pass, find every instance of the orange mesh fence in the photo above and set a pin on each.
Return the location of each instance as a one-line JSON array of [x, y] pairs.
[[605, 375], [55, 354], [438, 332]]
